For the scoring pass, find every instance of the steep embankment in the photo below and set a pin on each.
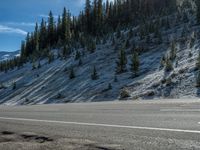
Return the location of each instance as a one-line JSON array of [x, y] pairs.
[[51, 83]]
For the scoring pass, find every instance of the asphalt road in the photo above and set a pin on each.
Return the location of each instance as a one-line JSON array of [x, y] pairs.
[[151, 125]]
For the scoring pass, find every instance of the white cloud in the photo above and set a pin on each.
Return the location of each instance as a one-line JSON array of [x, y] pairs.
[[6, 29], [46, 16], [20, 23]]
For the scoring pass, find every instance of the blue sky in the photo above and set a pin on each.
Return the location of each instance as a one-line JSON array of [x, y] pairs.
[[17, 17]]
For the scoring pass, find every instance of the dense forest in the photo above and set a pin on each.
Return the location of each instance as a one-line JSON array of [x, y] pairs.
[[96, 22]]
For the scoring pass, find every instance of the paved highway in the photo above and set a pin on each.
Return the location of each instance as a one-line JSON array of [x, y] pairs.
[[157, 124]]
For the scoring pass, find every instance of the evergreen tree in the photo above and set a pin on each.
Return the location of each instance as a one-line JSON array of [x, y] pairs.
[[33, 66], [59, 32], [94, 18], [72, 74], [23, 52], [65, 27], [14, 85], [113, 41], [39, 65], [65, 52], [51, 27], [115, 79], [107, 9], [28, 46], [198, 62], [198, 71], [122, 61], [99, 16], [135, 63], [80, 62], [109, 86], [167, 24], [94, 75], [162, 62], [88, 15], [127, 44], [198, 79], [50, 57], [168, 65], [198, 10], [91, 46], [78, 55], [43, 35], [173, 51], [130, 33], [36, 40], [118, 34]]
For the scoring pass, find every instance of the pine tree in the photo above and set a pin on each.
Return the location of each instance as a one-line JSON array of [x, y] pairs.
[[65, 52], [88, 15], [51, 30], [43, 35], [115, 79], [162, 62], [91, 46], [198, 71], [50, 57], [78, 55], [160, 39], [59, 32], [122, 61], [99, 15], [28, 46], [72, 74], [148, 39], [118, 34], [127, 44], [39, 65], [65, 27], [94, 75], [173, 51], [109, 86], [23, 52], [107, 9], [168, 64], [113, 41], [36, 38], [14, 85], [198, 10], [94, 18], [135, 63], [198, 79], [33, 66], [198, 62], [167, 25], [80, 62]]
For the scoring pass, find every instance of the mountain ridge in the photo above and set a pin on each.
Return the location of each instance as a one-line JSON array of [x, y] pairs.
[[7, 55]]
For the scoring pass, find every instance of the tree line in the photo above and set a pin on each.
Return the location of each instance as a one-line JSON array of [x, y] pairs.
[[97, 20]]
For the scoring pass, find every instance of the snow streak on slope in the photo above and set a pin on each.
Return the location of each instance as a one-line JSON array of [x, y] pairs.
[[51, 83]]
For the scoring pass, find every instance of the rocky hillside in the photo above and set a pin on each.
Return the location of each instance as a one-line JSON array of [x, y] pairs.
[[167, 67]]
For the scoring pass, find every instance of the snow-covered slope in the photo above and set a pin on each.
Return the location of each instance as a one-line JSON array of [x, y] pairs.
[[51, 83], [4, 55]]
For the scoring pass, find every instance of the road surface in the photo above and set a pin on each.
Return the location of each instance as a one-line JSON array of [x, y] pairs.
[[152, 125]]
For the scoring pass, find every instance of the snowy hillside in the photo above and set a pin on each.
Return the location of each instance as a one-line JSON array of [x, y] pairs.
[[50, 83], [8, 55]]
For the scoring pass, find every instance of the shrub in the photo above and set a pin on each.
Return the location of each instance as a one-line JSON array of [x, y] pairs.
[[14, 85], [124, 94], [109, 86]]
